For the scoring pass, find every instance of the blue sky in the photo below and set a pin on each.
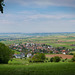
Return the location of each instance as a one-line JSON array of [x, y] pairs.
[[33, 16]]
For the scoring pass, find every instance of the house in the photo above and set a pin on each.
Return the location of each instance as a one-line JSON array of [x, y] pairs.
[[19, 55], [63, 52], [22, 54], [29, 55]]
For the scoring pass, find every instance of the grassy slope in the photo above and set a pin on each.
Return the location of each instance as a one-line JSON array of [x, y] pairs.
[[39, 69]]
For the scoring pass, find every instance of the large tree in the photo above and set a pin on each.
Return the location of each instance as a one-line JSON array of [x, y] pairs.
[[5, 54], [1, 5]]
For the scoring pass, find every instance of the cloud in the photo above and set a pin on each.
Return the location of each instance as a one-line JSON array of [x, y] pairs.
[[45, 16], [33, 15], [33, 21], [68, 3], [5, 22], [73, 21]]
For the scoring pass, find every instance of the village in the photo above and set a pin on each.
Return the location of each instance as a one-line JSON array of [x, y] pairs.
[[29, 49]]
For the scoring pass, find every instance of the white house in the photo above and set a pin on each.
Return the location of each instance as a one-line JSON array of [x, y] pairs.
[[19, 55], [29, 55], [64, 53]]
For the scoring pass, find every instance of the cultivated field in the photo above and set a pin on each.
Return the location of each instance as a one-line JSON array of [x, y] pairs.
[[61, 55], [54, 40]]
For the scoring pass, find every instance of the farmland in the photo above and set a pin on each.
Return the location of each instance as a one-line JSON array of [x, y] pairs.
[[56, 40], [60, 55], [23, 67]]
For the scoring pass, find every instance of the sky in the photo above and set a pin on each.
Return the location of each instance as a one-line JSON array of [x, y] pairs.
[[38, 16]]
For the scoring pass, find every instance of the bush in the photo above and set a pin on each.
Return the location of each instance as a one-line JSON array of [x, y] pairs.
[[56, 59], [71, 54], [51, 59], [5, 54], [46, 58], [39, 57], [63, 60], [66, 59], [73, 59], [30, 61]]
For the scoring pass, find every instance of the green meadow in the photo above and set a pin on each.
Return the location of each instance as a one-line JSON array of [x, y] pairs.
[[61, 68], [23, 67]]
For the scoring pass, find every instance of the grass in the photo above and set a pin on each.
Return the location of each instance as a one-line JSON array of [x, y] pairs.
[[18, 61], [39, 69]]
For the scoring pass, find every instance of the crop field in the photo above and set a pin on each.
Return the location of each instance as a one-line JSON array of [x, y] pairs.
[[60, 55], [55, 41], [39, 69]]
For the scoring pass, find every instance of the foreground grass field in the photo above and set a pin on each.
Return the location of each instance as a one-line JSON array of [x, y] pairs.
[[64, 68]]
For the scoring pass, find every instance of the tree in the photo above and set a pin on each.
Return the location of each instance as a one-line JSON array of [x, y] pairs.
[[1, 5], [51, 59], [5, 54], [56, 59], [73, 58], [39, 57]]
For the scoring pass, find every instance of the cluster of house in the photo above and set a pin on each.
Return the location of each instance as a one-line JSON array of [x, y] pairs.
[[34, 48], [22, 55]]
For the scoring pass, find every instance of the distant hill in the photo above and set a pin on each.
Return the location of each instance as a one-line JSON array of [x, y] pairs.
[[35, 34]]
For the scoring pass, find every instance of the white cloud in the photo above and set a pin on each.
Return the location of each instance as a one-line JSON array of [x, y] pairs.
[[45, 16], [33, 15], [32, 21], [69, 3], [5, 22]]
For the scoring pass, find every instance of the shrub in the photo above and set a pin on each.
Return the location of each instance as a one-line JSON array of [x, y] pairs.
[[56, 59], [46, 58], [71, 54], [46, 61], [51, 59], [30, 61], [66, 59], [63, 60], [73, 59]]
